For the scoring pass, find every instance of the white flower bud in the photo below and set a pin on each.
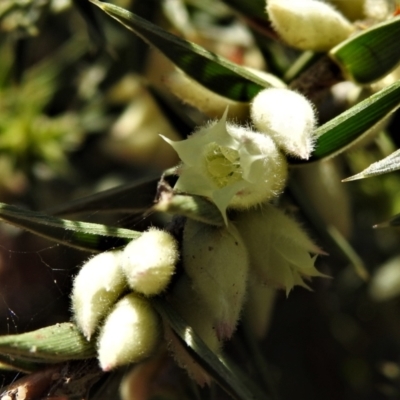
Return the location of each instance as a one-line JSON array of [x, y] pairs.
[[278, 248], [233, 166], [308, 24], [130, 333], [96, 287], [288, 117], [216, 261], [149, 261]]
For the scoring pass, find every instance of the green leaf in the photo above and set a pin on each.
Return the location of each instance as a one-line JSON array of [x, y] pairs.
[[233, 382], [133, 198], [371, 54], [12, 364], [251, 8], [53, 344], [388, 164], [341, 132], [82, 235], [212, 71], [393, 222]]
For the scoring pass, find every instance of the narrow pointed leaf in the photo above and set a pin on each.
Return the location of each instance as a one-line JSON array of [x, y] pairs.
[[12, 364], [210, 70], [133, 197], [371, 54], [250, 8], [82, 235], [216, 367], [341, 132], [53, 344], [388, 164], [393, 222]]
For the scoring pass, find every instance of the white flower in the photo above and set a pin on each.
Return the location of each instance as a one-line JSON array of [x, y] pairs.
[[233, 166]]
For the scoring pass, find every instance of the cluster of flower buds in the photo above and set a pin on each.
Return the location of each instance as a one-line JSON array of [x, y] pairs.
[[109, 297]]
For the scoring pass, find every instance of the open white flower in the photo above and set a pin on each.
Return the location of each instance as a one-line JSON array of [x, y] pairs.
[[232, 165]]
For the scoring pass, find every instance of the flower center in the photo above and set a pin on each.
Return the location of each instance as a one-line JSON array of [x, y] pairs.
[[222, 165]]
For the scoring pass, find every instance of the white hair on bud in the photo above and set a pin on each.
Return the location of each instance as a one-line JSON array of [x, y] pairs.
[[288, 117], [149, 261], [96, 287], [130, 333]]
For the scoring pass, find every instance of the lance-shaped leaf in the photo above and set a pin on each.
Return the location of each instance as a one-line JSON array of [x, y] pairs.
[[250, 8], [82, 235], [13, 364], [371, 54], [393, 222], [212, 71], [339, 133], [388, 164], [232, 381], [52, 344], [133, 197]]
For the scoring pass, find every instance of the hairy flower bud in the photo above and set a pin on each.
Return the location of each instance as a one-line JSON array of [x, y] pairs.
[[149, 261], [216, 261], [233, 166], [96, 287], [278, 248], [288, 117], [130, 333], [308, 24]]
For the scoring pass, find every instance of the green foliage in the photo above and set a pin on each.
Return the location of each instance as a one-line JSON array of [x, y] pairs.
[[80, 116]]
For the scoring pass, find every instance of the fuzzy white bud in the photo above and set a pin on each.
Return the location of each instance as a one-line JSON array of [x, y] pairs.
[[216, 261], [96, 287], [308, 24], [232, 165], [130, 333], [149, 261], [288, 117]]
